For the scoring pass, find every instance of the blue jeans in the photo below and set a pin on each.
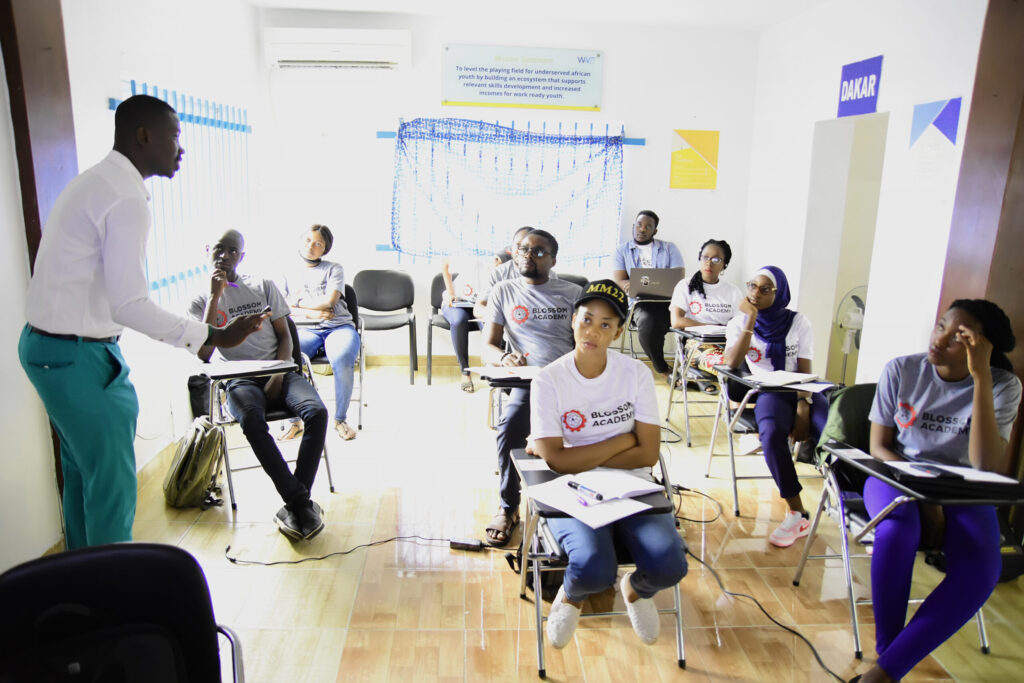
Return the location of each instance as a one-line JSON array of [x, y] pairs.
[[459, 321], [513, 428], [651, 540], [248, 404], [341, 345]]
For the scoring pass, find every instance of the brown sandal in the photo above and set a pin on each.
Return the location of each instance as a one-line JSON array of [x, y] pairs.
[[499, 531]]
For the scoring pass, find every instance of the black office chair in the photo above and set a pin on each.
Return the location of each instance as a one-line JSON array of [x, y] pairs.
[[120, 612], [320, 357], [219, 414], [575, 279], [389, 290]]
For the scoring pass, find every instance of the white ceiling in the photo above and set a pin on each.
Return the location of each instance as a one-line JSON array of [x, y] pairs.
[[721, 14]]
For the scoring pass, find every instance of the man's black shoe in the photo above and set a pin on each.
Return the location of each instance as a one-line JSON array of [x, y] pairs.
[[288, 524], [309, 519]]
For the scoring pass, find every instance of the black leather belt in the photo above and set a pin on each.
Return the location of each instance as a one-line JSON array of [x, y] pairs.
[[74, 337]]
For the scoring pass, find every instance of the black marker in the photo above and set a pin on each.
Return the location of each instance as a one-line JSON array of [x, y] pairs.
[[589, 492]]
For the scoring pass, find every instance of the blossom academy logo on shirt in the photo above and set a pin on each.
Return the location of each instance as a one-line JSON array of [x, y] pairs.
[[520, 314], [905, 414], [574, 420], [754, 355], [695, 307], [222, 319], [467, 290]]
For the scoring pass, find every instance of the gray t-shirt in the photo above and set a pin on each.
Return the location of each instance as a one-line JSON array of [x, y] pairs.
[[932, 417], [537, 318], [250, 296], [315, 282]]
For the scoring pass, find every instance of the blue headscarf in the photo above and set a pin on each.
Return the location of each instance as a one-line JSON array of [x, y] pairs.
[[773, 323]]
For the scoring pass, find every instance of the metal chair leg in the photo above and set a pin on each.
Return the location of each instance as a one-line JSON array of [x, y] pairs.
[[430, 351], [982, 633]]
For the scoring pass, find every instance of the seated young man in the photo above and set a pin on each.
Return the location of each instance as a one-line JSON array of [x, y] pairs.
[[232, 295], [532, 311], [643, 251]]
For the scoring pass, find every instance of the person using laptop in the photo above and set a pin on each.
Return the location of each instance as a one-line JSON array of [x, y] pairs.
[[769, 336], [591, 409], [644, 251]]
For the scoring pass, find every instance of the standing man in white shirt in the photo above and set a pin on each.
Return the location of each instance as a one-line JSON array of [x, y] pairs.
[[643, 251], [89, 284]]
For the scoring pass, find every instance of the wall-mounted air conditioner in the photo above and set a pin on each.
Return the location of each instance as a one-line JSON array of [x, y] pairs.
[[329, 48]]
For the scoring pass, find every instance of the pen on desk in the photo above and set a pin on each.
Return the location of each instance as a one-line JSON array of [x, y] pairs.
[[584, 490]]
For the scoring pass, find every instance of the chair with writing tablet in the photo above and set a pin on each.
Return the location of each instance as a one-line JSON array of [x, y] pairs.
[[539, 551], [740, 421], [845, 465], [217, 375]]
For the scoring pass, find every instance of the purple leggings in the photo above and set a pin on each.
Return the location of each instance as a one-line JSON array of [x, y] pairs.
[[973, 563]]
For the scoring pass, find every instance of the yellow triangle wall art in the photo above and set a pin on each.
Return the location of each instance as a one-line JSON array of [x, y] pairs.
[[694, 160]]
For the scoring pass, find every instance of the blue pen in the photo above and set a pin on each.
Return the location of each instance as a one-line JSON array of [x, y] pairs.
[[589, 492]]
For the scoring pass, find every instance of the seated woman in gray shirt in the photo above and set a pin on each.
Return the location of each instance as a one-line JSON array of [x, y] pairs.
[[954, 405]]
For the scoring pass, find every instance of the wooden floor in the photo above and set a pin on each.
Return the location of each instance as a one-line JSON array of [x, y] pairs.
[[424, 464]]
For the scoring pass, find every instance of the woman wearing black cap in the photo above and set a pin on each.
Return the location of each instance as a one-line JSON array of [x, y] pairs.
[[595, 410], [316, 292]]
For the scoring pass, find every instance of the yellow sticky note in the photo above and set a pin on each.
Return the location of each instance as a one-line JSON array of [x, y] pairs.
[[694, 163]]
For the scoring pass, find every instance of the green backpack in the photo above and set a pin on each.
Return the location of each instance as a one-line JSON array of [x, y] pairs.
[[191, 480]]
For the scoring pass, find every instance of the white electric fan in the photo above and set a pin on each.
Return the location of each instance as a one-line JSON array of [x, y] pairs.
[[850, 319]]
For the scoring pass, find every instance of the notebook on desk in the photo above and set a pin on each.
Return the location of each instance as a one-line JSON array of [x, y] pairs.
[[653, 282]]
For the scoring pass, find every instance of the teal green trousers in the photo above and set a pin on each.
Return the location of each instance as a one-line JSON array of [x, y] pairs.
[[93, 408]]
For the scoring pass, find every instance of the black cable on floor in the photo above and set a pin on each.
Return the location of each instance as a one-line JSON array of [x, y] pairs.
[[240, 561], [770, 617], [682, 489]]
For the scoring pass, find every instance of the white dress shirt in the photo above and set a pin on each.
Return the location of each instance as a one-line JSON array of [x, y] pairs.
[[90, 272]]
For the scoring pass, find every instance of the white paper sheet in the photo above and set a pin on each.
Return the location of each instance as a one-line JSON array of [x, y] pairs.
[[968, 473], [558, 495]]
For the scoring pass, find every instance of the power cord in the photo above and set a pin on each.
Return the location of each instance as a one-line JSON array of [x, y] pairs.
[[239, 561], [679, 492]]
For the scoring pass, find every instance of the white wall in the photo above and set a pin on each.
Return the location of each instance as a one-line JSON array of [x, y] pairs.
[[28, 485], [208, 49], [331, 168], [930, 50]]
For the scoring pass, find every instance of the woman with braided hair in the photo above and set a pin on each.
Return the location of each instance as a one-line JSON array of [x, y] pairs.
[[953, 405], [705, 299]]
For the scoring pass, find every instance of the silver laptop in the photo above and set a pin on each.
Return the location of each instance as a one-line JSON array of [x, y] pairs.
[[653, 282]]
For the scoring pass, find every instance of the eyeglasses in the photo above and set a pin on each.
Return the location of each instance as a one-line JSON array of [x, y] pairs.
[[765, 290], [713, 260], [535, 252]]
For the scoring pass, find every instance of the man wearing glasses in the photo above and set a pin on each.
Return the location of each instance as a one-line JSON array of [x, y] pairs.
[[643, 251], [534, 314]]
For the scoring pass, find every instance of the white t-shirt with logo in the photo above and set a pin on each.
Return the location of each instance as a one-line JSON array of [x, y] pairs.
[[645, 255], [717, 306], [932, 417], [470, 279], [582, 411], [537, 318], [799, 343]]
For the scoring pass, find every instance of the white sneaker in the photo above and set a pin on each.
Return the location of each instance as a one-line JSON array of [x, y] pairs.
[[794, 526], [643, 614], [562, 620]]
